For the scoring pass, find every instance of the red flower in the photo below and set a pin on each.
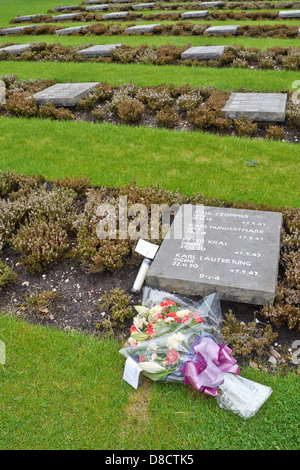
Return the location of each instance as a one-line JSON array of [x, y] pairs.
[[141, 358], [174, 315], [172, 356], [150, 330], [197, 318], [133, 329], [167, 303]]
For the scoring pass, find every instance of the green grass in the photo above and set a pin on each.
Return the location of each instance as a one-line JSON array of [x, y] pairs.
[[64, 390], [191, 162], [143, 75]]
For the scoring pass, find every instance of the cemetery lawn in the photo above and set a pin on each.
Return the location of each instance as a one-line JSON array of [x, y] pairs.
[[64, 390], [214, 165]]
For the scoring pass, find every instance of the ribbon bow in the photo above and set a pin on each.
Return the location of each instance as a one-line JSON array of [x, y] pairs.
[[208, 372]]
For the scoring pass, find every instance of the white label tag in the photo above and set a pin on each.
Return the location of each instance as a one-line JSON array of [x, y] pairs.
[[132, 372], [146, 249]]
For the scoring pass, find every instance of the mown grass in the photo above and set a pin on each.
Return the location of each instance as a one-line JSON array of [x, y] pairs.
[[64, 390], [188, 161], [143, 75]]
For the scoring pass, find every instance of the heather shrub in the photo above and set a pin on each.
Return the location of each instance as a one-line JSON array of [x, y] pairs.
[[22, 105], [275, 133], [49, 111], [7, 275], [79, 184], [130, 110], [188, 101], [41, 303], [245, 127], [98, 114], [167, 117], [40, 242], [115, 303]]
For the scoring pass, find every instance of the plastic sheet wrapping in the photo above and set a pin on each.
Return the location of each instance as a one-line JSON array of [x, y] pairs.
[[242, 396], [183, 343]]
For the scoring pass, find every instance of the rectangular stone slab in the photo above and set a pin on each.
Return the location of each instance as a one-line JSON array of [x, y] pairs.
[[104, 6], [67, 7], [257, 106], [289, 14], [115, 16], [203, 52], [143, 28], [20, 19], [98, 51], [143, 6], [210, 4], [222, 30], [195, 14], [64, 94], [16, 29], [234, 252], [66, 17], [16, 50], [66, 31]]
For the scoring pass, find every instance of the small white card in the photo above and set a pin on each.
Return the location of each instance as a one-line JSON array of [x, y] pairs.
[[132, 372], [147, 249]]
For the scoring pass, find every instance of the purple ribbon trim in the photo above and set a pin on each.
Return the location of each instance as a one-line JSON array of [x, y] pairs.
[[208, 372]]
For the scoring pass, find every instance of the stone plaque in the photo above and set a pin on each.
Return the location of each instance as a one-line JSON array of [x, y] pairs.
[[210, 4], [16, 29], [74, 29], [289, 14], [203, 52], [115, 16], [64, 94], [195, 14], [20, 19], [16, 50], [68, 7], [104, 6], [143, 6], [66, 17], [234, 252], [257, 106], [98, 51], [222, 30], [140, 29]]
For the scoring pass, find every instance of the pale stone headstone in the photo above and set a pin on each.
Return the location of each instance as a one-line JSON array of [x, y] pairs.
[[99, 50], [66, 17], [234, 252], [143, 6], [289, 14], [67, 31], [203, 52], [64, 94], [16, 29], [141, 29], [195, 14], [115, 16], [16, 50], [257, 106], [104, 6], [21, 19], [222, 30]]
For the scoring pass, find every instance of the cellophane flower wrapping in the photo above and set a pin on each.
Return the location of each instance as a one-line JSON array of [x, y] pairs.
[[164, 330]]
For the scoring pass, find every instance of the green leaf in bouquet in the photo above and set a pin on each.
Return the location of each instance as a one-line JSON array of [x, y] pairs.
[[140, 336], [141, 310]]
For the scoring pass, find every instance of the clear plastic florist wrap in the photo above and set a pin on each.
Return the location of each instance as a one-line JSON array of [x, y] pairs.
[[174, 339]]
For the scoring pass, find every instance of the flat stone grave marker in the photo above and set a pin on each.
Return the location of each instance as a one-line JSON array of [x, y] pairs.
[[20, 19], [289, 14], [64, 94], [203, 52], [143, 6], [104, 6], [115, 16], [257, 106], [222, 30], [74, 29], [16, 29], [99, 50], [210, 4], [141, 29], [16, 50], [195, 14], [234, 252], [67, 7], [66, 17]]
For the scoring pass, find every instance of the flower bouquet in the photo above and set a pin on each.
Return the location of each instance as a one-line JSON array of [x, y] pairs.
[[174, 340]]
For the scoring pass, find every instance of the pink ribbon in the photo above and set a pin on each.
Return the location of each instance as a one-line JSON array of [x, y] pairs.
[[207, 373]]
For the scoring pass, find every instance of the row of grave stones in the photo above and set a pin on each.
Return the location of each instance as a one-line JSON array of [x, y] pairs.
[[138, 29], [116, 15]]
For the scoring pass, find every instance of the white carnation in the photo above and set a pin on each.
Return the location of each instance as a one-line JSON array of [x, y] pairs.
[[175, 340]]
